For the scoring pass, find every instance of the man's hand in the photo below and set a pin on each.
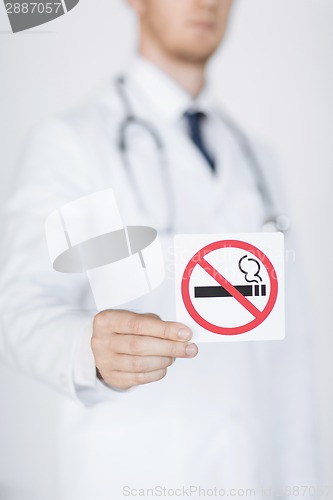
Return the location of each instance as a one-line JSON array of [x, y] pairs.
[[132, 349]]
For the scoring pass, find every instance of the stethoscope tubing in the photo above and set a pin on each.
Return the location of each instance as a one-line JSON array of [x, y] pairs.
[[274, 220]]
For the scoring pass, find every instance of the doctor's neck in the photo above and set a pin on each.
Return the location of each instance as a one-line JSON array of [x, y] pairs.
[[190, 75]]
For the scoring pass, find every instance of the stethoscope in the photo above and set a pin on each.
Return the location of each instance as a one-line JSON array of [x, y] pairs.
[[274, 221]]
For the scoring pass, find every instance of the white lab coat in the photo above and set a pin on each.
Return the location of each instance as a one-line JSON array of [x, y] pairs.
[[239, 415]]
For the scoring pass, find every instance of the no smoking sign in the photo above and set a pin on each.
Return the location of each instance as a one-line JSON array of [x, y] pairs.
[[230, 287]]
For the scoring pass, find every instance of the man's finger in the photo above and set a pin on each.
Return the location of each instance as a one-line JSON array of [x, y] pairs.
[[124, 380], [134, 364], [152, 315], [139, 345], [126, 322]]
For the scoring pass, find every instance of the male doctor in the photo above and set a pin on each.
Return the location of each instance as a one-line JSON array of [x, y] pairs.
[[143, 408]]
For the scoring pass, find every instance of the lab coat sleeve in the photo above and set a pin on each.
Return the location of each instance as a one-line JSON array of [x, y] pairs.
[[292, 381], [43, 324]]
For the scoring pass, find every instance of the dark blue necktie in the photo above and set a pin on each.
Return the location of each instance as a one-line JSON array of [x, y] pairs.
[[194, 120]]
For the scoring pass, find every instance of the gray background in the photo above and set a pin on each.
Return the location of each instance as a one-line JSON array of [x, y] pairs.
[[275, 74]]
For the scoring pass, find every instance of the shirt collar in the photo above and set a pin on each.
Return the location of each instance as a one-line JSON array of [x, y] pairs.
[[166, 97]]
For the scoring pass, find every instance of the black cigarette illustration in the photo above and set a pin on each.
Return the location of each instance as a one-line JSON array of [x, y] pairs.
[[250, 267], [219, 291]]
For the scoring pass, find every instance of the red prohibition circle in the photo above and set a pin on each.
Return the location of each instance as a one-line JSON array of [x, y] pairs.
[[199, 257]]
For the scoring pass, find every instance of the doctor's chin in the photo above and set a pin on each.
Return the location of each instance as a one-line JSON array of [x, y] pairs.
[[163, 306]]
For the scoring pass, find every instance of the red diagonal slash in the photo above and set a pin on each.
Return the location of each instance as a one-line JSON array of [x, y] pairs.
[[221, 280]]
